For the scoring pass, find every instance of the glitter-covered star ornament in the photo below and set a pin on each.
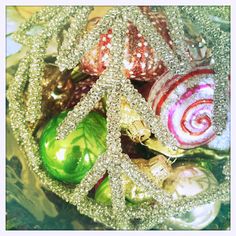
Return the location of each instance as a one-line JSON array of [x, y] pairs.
[[114, 85]]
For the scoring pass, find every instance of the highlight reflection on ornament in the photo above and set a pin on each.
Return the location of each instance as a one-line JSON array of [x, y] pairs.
[[189, 180]]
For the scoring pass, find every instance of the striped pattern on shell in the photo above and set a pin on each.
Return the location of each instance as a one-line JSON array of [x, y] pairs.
[[139, 61], [185, 105]]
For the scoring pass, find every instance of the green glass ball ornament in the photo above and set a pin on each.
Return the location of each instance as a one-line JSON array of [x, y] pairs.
[[69, 160], [186, 181], [103, 192]]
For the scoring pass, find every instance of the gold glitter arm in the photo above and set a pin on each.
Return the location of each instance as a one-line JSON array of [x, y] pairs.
[[98, 212], [17, 114], [86, 104], [114, 74], [36, 71], [161, 48], [114, 154], [76, 28], [89, 40], [91, 178], [176, 31], [15, 96], [40, 17], [155, 218]]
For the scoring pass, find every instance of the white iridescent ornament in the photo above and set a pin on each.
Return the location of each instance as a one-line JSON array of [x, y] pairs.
[[186, 181]]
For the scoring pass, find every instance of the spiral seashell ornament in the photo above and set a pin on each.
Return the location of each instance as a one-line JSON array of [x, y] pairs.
[[185, 105]]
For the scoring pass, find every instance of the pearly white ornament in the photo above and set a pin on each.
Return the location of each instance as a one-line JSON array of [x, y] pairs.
[[189, 180]]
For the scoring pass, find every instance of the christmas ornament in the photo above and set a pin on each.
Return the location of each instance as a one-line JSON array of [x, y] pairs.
[[139, 62], [114, 84], [133, 194], [70, 159], [103, 192], [157, 168], [132, 123], [216, 36], [185, 106], [63, 90], [189, 180]]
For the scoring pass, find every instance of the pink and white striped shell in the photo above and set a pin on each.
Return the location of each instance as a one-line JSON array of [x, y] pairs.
[[185, 105]]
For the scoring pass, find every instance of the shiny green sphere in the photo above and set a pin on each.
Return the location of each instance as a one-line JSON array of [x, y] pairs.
[[69, 160], [103, 192]]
